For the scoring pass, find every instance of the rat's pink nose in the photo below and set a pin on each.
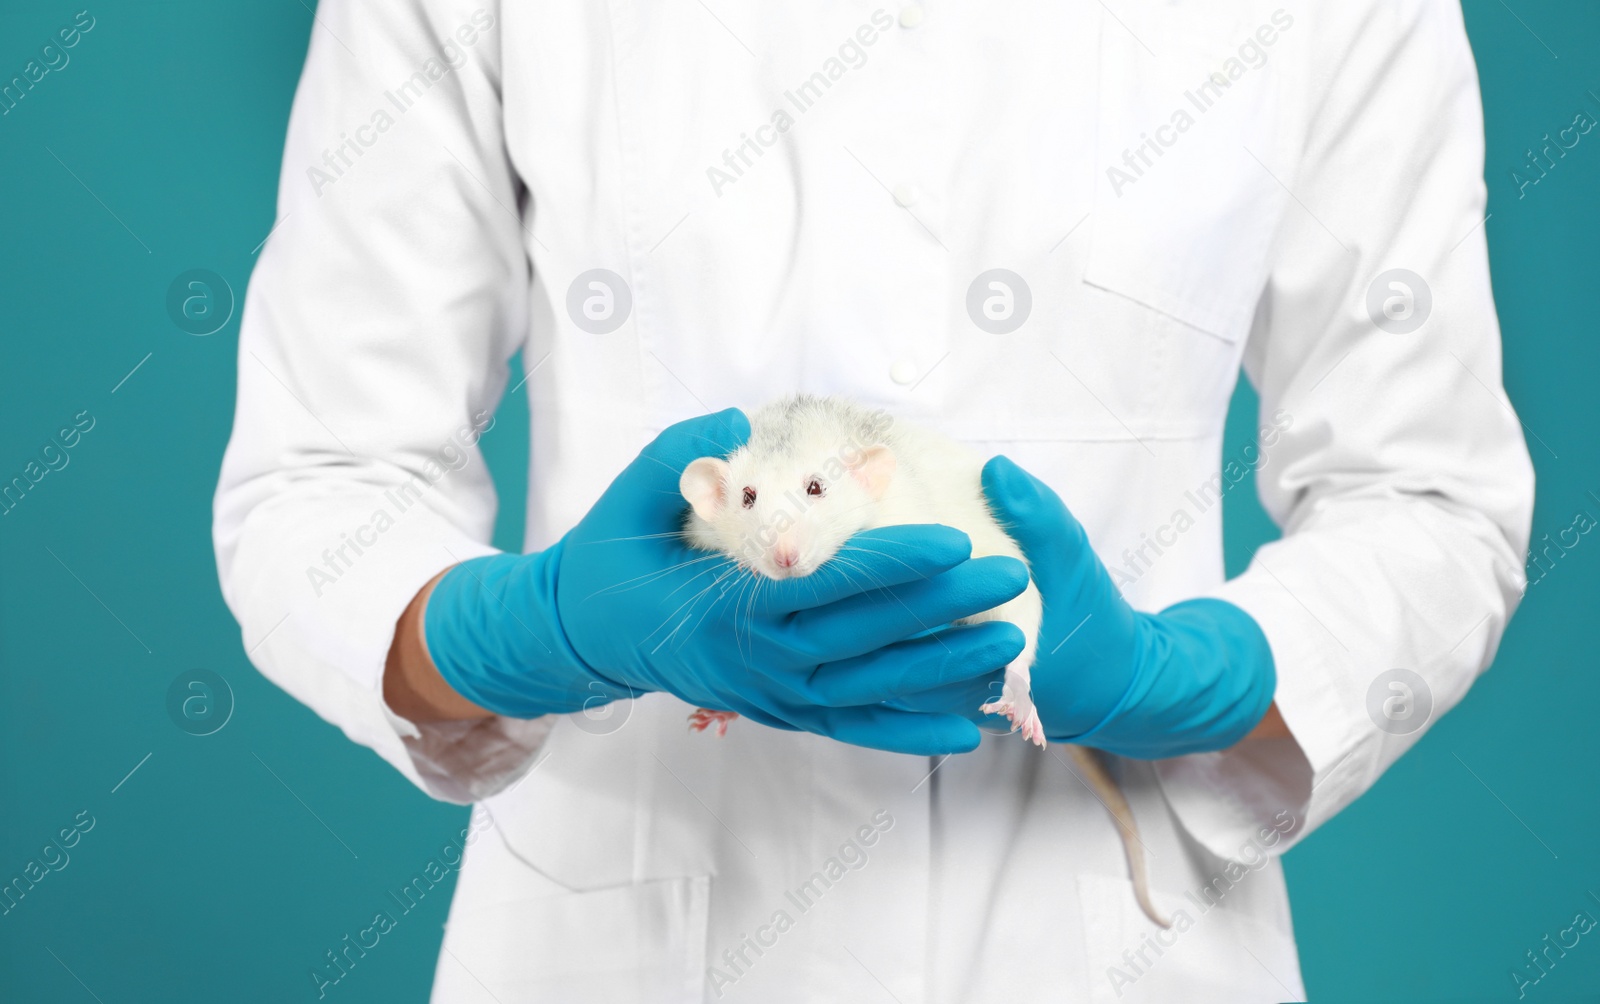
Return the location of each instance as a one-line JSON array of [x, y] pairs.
[[785, 557]]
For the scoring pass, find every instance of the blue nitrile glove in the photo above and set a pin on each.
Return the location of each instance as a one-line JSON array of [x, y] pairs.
[[1196, 677], [621, 606]]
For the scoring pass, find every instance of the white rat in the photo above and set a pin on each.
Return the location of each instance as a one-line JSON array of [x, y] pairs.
[[817, 470]]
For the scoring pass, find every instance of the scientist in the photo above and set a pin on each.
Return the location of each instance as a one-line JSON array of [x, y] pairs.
[[1055, 231]]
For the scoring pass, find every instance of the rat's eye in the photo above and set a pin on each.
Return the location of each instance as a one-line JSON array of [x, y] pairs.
[[814, 487], [749, 497]]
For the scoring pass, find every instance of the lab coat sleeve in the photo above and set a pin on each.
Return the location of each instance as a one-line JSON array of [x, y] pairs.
[[372, 354], [1401, 480]]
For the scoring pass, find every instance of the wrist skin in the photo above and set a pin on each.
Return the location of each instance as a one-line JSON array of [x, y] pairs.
[[412, 686], [1271, 726]]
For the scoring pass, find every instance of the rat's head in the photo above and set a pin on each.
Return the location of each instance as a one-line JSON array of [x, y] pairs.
[[783, 513]]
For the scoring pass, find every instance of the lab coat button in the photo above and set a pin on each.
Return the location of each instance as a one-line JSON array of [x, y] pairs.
[[903, 372], [905, 194], [910, 16]]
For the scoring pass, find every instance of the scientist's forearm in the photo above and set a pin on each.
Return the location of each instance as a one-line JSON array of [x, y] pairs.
[[412, 686]]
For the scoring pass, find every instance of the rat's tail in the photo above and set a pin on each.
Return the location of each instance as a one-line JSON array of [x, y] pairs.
[[1095, 773]]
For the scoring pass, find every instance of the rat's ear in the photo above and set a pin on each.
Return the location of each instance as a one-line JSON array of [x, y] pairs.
[[874, 468], [705, 485]]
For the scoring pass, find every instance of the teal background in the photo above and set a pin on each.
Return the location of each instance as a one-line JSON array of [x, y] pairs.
[[226, 865]]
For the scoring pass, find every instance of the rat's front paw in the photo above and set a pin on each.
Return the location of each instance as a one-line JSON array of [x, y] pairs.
[[702, 718], [1001, 706]]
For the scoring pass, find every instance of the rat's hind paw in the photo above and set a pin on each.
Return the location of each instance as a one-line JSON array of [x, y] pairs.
[[701, 718], [1032, 728], [1024, 718]]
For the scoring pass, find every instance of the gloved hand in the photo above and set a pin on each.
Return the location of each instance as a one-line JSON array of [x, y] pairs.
[[1196, 677], [620, 606]]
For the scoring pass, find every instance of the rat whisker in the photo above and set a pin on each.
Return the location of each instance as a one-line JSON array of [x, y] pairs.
[[877, 582], [844, 566], [652, 575], [710, 606], [648, 577], [707, 439], [673, 635], [753, 582], [881, 554], [658, 460], [749, 587], [712, 569], [728, 562], [712, 585], [890, 592], [642, 536]]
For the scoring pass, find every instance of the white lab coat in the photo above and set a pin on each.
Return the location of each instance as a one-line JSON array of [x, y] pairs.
[[452, 208]]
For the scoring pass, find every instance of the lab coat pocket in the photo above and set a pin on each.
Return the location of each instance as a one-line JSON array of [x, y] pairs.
[[642, 942], [1220, 954], [612, 807]]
